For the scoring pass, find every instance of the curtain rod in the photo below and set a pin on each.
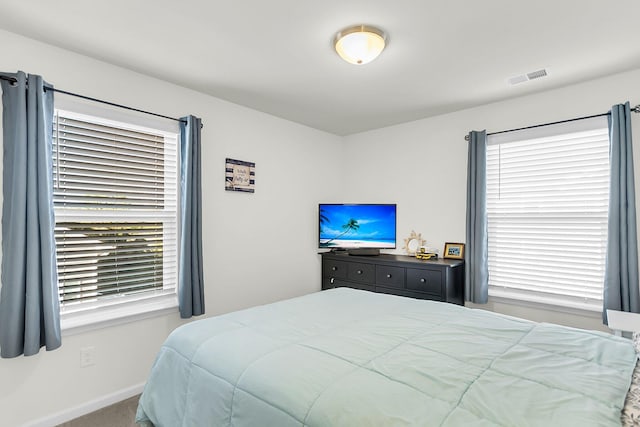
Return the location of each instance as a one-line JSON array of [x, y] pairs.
[[13, 80], [635, 109]]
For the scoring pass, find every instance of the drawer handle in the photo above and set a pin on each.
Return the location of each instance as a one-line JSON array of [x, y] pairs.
[[388, 276], [423, 280], [359, 271], [332, 280], [334, 268]]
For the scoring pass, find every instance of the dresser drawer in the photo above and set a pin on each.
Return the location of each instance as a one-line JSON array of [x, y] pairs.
[[390, 276], [424, 280], [336, 283], [333, 268], [410, 294], [361, 272]]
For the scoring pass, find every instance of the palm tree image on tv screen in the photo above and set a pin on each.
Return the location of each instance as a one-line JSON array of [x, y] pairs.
[[357, 226]]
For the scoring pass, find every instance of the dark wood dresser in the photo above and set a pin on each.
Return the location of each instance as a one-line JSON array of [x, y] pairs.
[[441, 280]]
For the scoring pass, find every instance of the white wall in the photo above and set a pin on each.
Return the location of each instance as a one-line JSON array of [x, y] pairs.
[[422, 165], [258, 247]]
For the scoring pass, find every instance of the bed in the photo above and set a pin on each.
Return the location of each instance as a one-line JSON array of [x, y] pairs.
[[345, 357]]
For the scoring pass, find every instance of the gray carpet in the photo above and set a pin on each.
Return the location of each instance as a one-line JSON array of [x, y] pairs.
[[121, 414]]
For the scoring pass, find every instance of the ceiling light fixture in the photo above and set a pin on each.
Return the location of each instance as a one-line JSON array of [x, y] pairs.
[[360, 44]]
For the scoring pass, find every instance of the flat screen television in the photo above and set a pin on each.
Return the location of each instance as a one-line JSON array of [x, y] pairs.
[[357, 226]]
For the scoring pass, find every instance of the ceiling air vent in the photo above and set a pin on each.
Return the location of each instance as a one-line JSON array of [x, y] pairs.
[[537, 74], [527, 77]]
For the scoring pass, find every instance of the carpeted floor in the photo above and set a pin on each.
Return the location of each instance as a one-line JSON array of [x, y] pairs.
[[121, 414]]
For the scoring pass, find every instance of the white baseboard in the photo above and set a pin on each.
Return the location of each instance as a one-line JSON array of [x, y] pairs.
[[86, 408]]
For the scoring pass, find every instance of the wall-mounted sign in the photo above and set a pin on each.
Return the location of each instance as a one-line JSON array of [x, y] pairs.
[[240, 176]]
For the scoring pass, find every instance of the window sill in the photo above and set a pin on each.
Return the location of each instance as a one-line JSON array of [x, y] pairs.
[[93, 318], [513, 298]]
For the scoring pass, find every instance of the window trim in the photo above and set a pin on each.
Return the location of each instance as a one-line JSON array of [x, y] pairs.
[[544, 305], [564, 302], [548, 302], [79, 318], [117, 314]]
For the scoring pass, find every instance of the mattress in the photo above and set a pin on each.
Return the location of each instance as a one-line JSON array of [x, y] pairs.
[[345, 357]]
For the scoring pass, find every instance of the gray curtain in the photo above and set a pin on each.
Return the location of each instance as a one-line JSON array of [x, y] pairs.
[[477, 272], [29, 305], [621, 271], [190, 279]]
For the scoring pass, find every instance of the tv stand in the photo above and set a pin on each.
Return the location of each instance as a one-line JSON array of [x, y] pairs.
[[364, 252], [440, 280]]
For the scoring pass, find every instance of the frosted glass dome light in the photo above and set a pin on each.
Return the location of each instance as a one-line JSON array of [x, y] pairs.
[[360, 44]]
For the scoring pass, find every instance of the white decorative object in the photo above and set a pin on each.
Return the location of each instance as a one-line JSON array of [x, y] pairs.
[[413, 242]]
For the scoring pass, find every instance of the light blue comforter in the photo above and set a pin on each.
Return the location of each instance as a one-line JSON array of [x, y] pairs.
[[345, 357]]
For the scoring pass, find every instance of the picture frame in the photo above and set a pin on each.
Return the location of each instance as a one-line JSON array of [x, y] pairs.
[[240, 175], [453, 251]]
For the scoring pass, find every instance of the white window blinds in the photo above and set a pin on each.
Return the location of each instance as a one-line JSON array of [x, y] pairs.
[[115, 202], [547, 205]]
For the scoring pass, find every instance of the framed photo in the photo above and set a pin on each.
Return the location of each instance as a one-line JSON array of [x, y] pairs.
[[453, 250], [240, 176]]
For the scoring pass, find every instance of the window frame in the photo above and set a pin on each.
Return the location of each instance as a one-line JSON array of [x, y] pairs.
[[537, 298], [85, 316]]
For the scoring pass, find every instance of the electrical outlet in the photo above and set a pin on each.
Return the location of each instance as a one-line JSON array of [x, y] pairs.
[[87, 356]]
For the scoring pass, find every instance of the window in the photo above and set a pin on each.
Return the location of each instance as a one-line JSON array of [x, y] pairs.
[[115, 202], [547, 205]]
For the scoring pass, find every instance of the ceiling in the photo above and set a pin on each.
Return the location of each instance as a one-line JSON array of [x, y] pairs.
[[276, 56]]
